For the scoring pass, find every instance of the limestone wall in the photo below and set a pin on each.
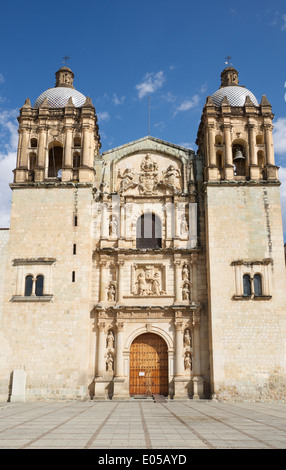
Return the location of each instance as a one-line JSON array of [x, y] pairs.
[[49, 337], [4, 238], [247, 335]]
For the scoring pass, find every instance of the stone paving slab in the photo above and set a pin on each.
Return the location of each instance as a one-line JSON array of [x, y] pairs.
[[142, 425]]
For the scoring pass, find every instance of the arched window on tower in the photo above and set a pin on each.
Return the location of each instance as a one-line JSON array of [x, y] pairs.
[[239, 160], [28, 285], [39, 291], [246, 285], [31, 166], [148, 231], [34, 143], [76, 160], [257, 284], [55, 162]]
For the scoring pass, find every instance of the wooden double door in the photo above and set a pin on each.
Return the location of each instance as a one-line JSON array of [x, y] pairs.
[[148, 366]]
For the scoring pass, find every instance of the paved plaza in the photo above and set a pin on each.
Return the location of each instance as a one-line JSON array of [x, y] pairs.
[[143, 424]]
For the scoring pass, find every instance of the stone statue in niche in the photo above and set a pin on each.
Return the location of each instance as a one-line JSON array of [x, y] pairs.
[[185, 273], [188, 361], [111, 293], [110, 340], [187, 339], [109, 363], [184, 227], [113, 226], [171, 176], [186, 292]]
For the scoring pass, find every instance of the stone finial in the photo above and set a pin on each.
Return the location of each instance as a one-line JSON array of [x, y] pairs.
[[209, 101], [88, 102], [264, 101], [70, 103], [45, 103], [225, 102], [27, 103], [248, 101]]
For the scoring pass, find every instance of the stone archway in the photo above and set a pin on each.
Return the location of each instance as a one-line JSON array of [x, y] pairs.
[[148, 366]]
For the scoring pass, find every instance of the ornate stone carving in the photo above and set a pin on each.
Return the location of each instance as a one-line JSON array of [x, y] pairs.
[[186, 291], [113, 226], [109, 363], [185, 273], [127, 178], [148, 178], [187, 339], [148, 280], [184, 227], [111, 293], [110, 340], [171, 177], [188, 361]]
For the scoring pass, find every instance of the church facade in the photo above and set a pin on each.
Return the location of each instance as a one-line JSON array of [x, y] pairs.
[[146, 269]]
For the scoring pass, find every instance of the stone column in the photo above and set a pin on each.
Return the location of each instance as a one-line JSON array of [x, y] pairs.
[[120, 383], [228, 152], [253, 155], [177, 280], [68, 148], [179, 347], [101, 365], [120, 280], [86, 147], [122, 220], [197, 378], [102, 281], [24, 147], [211, 139], [119, 369], [269, 144], [104, 221], [42, 148]]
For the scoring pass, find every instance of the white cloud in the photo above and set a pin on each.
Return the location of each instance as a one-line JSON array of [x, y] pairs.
[[103, 116], [117, 101], [188, 104], [8, 155], [284, 22], [151, 83], [2, 79], [279, 136]]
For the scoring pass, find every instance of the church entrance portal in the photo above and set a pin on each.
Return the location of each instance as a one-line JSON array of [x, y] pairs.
[[148, 366]]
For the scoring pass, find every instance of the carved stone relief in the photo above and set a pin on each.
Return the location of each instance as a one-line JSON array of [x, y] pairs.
[[188, 349], [148, 179], [148, 280], [110, 340]]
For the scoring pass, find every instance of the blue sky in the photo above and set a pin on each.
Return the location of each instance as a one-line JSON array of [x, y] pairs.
[[123, 52]]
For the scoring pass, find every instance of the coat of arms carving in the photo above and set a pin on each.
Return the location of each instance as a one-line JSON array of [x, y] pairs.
[[148, 178]]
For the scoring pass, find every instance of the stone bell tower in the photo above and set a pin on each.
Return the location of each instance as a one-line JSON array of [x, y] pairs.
[[58, 136], [49, 254], [244, 239]]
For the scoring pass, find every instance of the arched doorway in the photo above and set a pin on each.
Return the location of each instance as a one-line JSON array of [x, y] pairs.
[[148, 366]]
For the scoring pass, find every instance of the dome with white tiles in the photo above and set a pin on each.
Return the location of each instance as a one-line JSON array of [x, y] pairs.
[[230, 88], [236, 96], [59, 96]]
